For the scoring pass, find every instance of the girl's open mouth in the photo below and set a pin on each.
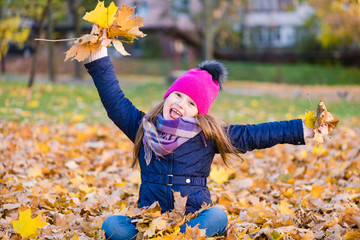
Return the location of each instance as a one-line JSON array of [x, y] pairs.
[[174, 113]]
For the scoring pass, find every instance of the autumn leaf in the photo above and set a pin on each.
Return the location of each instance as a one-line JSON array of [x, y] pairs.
[[84, 46], [317, 191], [221, 175], [310, 119], [120, 26], [125, 26], [322, 117], [155, 225], [35, 171], [119, 47], [284, 207], [102, 16], [26, 226], [195, 233]]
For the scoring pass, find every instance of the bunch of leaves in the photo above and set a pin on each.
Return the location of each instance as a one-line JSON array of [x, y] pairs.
[[322, 117], [120, 27]]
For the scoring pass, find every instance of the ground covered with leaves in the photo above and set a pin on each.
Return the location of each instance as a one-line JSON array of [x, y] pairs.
[[72, 176]]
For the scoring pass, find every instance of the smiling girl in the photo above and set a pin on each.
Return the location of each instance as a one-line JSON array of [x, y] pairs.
[[175, 143]]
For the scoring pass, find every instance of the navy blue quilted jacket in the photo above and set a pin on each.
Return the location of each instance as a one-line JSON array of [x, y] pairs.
[[187, 168]]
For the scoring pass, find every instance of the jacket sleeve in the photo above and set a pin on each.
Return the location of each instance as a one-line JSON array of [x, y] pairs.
[[119, 108], [265, 135]]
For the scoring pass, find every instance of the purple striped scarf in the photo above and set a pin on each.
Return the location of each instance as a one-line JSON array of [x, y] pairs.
[[167, 135]]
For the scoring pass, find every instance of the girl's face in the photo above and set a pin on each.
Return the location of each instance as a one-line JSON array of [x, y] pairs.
[[177, 105]]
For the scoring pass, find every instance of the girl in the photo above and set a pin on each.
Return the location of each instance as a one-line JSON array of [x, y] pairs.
[[175, 143]]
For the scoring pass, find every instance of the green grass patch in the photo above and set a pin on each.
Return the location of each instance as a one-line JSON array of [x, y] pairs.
[[80, 103], [303, 74]]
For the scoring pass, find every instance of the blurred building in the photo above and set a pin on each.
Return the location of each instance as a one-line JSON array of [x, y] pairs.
[[274, 23], [170, 30], [263, 24]]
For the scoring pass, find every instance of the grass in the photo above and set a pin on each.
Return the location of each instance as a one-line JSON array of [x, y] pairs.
[[305, 74], [64, 102]]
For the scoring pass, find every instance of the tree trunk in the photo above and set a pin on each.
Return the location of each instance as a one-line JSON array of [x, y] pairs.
[[3, 59], [3, 56], [50, 35], [37, 44], [211, 26], [207, 22], [77, 26]]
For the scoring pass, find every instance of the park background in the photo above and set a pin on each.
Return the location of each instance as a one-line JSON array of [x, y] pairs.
[[63, 158]]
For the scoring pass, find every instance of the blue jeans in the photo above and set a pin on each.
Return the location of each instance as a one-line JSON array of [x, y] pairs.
[[214, 220]]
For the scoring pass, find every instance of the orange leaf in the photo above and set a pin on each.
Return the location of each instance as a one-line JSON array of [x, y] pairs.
[[125, 26], [317, 190]]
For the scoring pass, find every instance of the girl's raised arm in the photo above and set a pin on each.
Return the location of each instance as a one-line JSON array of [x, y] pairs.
[[119, 108]]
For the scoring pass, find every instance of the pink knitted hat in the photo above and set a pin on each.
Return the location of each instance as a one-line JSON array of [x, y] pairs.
[[201, 85]]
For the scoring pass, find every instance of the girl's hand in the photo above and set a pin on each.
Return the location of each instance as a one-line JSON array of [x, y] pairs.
[[103, 50], [308, 132], [324, 129]]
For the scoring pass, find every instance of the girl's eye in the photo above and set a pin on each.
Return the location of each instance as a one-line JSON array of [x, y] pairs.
[[178, 94], [192, 104]]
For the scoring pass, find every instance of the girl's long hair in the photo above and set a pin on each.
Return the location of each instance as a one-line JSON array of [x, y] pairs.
[[213, 129]]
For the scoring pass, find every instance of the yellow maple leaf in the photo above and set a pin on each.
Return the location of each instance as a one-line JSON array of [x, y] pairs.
[[221, 175], [26, 226], [310, 119], [284, 207], [102, 16], [355, 234], [317, 191]]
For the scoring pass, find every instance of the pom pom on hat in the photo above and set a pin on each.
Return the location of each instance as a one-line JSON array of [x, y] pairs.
[[202, 84], [216, 69]]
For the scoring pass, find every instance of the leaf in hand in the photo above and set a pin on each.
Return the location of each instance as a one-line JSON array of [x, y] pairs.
[[119, 25], [83, 46], [27, 226], [102, 16], [310, 119], [125, 26], [322, 117]]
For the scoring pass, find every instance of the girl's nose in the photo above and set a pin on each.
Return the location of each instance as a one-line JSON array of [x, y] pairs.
[[181, 102]]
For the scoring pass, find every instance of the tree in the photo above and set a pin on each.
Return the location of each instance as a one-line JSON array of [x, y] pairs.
[[211, 20], [41, 21], [211, 24], [339, 22], [11, 31]]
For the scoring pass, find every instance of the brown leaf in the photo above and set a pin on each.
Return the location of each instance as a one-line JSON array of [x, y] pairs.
[[179, 202]]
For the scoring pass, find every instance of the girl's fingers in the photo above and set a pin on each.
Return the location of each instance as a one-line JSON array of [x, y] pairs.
[[324, 130]]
